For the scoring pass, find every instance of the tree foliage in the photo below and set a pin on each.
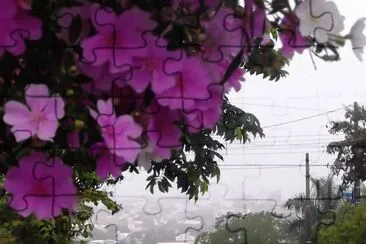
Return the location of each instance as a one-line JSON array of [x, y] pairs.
[[257, 227], [324, 201], [351, 151], [350, 227]]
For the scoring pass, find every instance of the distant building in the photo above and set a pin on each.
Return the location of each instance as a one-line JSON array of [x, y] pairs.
[[185, 237], [188, 242]]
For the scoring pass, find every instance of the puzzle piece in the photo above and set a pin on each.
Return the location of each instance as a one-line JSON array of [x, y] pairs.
[[110, 44], [322, 18], [174, 97], [18, 25], [47, 186], [123, 74], [161, 208], [67, 17], [107, 228]]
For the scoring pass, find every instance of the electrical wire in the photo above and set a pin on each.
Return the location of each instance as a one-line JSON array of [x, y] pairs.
[[272, 165], [264, 153], [304, 118]]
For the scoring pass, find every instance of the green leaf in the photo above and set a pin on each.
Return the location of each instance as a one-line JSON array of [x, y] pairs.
[[216, 172], [238, 133]]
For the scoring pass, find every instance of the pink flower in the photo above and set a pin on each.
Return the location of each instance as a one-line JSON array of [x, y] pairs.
[[224, 37], [39, 118], [107, 163], [106, 114], [206, 112], [16, 25], [118, 38], [41, 186], [151, 68], [66, 16], [291, 38], [119, 134], [190, 85]]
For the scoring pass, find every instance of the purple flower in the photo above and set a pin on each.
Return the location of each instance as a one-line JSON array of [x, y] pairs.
[[41, 186], [190, 85], [118, 38], [73, 139], [195, 4], [163, 134], [224, 37], [24, 4], [39, 118], [291, 38], [119, 134], [106, 114], [151, 68], [107, 163], [206, 112], [218, 71], [255, 21], [66, 15], [103, 79], [16, 25]]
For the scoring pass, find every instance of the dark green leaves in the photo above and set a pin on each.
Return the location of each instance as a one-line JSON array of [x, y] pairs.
[[279, 5], [235, 124]]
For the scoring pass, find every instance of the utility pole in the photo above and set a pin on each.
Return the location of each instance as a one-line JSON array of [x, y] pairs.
[[357, 183], [308, 234]]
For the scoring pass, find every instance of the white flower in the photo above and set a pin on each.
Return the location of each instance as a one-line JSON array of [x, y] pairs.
[[358, 38], [319, 18]]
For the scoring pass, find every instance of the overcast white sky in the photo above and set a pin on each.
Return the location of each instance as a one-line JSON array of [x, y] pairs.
[[305, 92]]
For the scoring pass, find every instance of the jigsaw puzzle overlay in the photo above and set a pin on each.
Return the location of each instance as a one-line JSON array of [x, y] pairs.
[[100, 87]]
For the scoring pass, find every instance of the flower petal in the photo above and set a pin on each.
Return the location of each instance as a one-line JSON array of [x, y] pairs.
[[24, 131], [15, 113], [47, 130], [54, 108], [36, 96]]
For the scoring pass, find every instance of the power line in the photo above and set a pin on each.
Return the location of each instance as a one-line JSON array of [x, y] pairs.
[[275, 165], [277, 144], [257, 168], [309, 117], [262, 153], [296, 135], [276, 148], [276, 106], [304, 118]]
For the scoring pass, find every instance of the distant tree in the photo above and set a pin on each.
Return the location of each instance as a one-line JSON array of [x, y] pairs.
[[351, 153], [350, 227], [324, 201], [259, 228]]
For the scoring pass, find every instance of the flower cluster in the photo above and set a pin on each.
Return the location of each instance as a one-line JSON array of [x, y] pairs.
[[127, 61], [16, 25]]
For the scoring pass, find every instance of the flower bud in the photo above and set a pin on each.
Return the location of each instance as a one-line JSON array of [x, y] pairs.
[[79, 124], [70, 92]]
